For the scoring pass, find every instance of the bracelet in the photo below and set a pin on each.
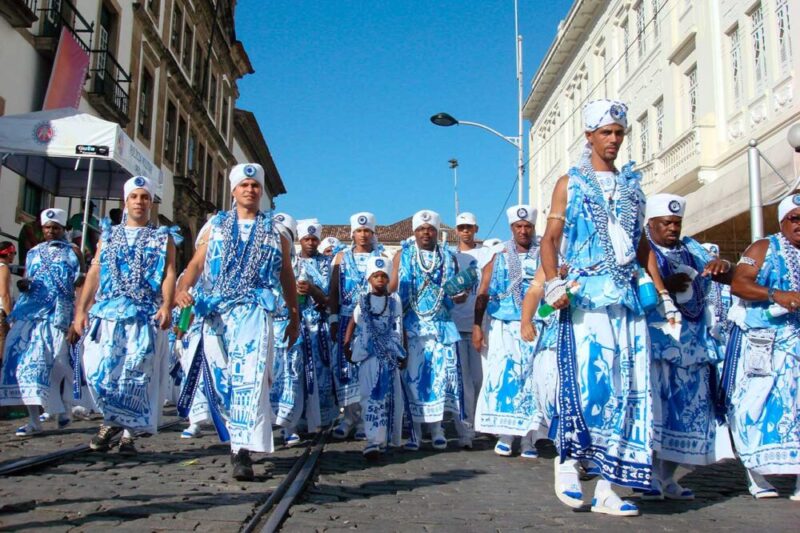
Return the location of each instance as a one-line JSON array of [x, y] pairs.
[[730, 265], [333, 319], [747, 261], [556, 216], [663, 292]]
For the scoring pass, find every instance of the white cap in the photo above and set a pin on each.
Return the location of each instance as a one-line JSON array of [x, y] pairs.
[[362, 220], [711, 248], [377, 264], [286, 222], [599, 113], [246, 171], [665, 205], [329, 242], [787, 205], [521, 212], [309, 227], [59, 216], [466, 218], [138, 182], [425, 217]]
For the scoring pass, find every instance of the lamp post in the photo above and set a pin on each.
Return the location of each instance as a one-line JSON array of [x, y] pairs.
[[454, 165], [446, 120]]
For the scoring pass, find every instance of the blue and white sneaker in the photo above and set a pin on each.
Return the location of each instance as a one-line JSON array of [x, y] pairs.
[[529, 453], [411, 445], [673, 491], [360, 435], [291, 439], [27, 430], [439, 442], [611, 504], [568, 488], [63, 421], [44, 417], [342, 431], [192, 432], [502, 448], [371, 452]]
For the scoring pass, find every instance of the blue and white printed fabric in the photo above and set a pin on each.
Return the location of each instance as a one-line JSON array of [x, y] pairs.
[[605, 411], [352, 284], [432, 378], [36, 358], [236, 300], [684, 369], [124, 351], [286, 391], [765, 398], [506, 405], [377, 348]]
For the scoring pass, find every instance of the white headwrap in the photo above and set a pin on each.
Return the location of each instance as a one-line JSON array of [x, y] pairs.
[[425, 217], [378, 264], [286, 223], [711, 248], [329, 242], [466, 218], [363, 220], [599, 113], [59, 216], [787, 205], [246, 171], [521, 212], [665, 205], [309, 227], [138, 182]]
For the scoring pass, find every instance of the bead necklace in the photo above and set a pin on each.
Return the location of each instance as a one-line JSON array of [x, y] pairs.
[[791, 255], [139, 262], [432, 281], [240, 268], [668, 260], [359, 278], [515, 272], [47, 255], [368, 303]]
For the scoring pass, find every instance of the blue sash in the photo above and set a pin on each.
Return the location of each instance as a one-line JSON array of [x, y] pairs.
[[570, 417], [732, 353]]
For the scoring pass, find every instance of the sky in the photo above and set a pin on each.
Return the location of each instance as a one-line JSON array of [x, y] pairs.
[[343, 91]]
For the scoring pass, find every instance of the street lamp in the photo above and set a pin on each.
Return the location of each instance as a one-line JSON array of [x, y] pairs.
[[454, 165], [445, 120]]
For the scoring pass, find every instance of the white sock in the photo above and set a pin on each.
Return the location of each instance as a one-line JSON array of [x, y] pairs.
[[417, 432], [33, 413], [568, 476], [436, 430], [606, 495], [508, 440]]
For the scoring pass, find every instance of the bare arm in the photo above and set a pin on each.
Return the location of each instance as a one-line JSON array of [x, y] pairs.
[[5, 292], [289, 292], [192, 273], [87, 293], [554, 230], [164, 314], [482, 298], [394, 283], [333, 289], [747, 288], [532, 298]]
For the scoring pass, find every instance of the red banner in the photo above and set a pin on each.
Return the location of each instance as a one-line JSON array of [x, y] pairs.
[[69, 73]]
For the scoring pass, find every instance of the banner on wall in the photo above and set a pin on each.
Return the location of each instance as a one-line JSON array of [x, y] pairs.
[[69, 73]]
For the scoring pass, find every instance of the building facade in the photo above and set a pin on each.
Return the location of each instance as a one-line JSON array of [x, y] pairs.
[[701, 78], [165, 70]]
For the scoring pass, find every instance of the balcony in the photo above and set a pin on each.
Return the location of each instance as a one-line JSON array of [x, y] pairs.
[[109, 87], [60, 14], [682, 158], [19, 13]]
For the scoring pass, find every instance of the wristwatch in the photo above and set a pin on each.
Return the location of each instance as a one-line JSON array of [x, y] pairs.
[[771, 295]]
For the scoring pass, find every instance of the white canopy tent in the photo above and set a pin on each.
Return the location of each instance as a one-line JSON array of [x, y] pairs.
[[48, 148]]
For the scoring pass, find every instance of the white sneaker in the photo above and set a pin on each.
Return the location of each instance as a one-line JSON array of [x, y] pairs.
[[192, 432], [28, 430]]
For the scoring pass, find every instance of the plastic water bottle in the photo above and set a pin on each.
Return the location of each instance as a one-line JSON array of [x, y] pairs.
[[301, 298], [185, 319], [648, 296], [775, 311], [545, 309]]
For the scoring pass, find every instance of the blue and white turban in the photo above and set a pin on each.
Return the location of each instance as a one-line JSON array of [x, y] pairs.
[[787, 205], [59, 216], [515, 213], [138, 182], [378, 264], [246, 171], [309, 227], [664, 205], [599, 113]]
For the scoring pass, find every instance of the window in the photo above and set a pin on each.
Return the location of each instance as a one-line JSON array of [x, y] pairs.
[[191, 154], [643, 133], [212, 97], [201, 165], [177, 24], [169, 132], [759, 48], [629, 144], [784, 34], [640, 26], [604, 58], [197, 75], [735, 44], [145, 104], [625, 45], [220, 191], [224, 119], [659, 124], [152, 6], [188, 44], [656, 8], [32, 199], [691, 79], [209, 179], [180, 146]]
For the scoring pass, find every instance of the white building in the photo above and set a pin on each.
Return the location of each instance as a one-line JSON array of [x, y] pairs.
[[166, 71], [701, 78]]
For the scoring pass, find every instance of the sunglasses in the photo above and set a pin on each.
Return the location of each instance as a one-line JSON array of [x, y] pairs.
[[794, 219]]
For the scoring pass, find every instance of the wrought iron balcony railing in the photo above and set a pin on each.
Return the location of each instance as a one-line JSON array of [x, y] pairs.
[[59, 14], [111, 81]]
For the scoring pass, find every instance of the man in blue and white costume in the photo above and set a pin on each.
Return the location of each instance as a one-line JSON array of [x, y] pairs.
[[604, 402], [36, 359], [242, 259], [762, 362], [314, 346], [470, 255], [506, 406], [684, 352], [286, 391], [132, 282], [432, 379], [348, 283]]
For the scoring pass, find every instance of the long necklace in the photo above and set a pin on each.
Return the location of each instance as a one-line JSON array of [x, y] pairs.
[[240, 267], [130, 285], [791, 255], [368, 301], [431, 282], [668, 261], [380, 335], [515, 276], [48, 259], [351, 271]]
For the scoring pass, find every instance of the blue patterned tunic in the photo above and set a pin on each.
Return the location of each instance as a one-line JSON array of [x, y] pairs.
[[604, 402], [36, 356], [763, 393], [124, 351], [432, 378]]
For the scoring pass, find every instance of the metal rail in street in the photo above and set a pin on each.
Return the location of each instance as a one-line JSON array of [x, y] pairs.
[[23, 464]]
